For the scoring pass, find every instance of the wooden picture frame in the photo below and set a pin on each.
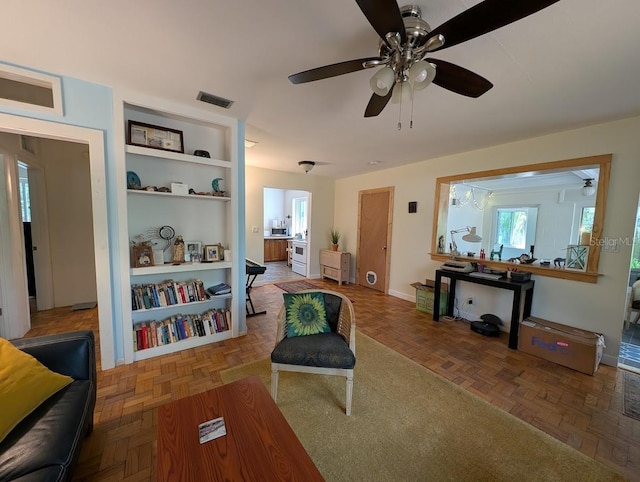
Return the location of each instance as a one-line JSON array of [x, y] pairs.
[[212, 252], [142, 255], [192, 247], [154, 137]]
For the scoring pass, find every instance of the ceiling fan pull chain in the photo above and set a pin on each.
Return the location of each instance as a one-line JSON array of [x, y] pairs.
[[411, 120], [400, 111]]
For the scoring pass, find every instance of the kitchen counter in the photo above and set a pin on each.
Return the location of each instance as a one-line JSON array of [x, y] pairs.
[[278, 237]]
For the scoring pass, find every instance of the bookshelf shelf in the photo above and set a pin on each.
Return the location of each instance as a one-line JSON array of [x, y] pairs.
[[178, 306], [175, 156], [141, 192], [192, 342], [169, 268]]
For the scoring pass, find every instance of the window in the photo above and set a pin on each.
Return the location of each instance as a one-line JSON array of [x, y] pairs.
[[586, 220], [515, 227], [299, 222], [25, 204]]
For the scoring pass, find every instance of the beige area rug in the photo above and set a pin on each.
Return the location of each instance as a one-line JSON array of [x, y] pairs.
[[409, 424]]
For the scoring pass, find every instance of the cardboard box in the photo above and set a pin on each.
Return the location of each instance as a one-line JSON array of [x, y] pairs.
[[571, 347], [424, 296]]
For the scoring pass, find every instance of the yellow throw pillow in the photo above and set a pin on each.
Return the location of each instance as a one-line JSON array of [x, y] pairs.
[[24, 384]]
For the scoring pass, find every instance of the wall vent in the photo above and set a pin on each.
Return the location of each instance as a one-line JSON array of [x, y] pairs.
[[215, 100], [28, 90]]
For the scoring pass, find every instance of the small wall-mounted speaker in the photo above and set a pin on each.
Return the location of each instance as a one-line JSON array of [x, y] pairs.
[[413, 207]]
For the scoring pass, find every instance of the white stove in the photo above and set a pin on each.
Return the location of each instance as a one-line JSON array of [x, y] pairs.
[[299, 257]]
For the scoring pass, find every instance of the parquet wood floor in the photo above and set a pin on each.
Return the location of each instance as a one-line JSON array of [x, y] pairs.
[[582, 411]]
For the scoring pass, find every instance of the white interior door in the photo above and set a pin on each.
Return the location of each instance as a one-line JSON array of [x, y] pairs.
[[15, 321]]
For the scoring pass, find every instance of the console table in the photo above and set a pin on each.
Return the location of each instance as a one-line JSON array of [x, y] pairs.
[[335, 265], [522, 297]]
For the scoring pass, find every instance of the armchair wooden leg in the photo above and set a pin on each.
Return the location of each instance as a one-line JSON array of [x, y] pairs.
[[349, 394], [274, 384]]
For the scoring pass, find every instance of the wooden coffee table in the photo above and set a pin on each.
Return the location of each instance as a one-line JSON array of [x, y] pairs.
[[259, 444]]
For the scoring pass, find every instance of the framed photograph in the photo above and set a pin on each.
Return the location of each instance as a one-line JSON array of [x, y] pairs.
[[142, 255], [192, 248], [212, 252], [155, 137]]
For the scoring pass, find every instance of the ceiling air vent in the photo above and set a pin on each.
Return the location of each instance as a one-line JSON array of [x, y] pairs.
[[215, 100]]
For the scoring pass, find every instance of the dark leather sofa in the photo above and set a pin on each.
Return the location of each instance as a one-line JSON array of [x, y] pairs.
[[45, 446]]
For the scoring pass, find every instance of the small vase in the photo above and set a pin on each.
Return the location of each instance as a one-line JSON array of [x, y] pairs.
[[334, 247]]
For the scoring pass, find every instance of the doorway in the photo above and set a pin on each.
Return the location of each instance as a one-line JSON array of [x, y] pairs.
[[13, 279], [630, 344], [286, 222], [375, 216]]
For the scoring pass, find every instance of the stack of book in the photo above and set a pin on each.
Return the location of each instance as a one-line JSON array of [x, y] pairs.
[[149, 334], [219, 289], [167, 293]]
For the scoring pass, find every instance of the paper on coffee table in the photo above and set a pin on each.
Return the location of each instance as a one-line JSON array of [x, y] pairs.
[[212, 429]]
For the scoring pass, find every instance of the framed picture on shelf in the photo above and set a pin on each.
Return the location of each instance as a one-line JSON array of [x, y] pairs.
[[577, 257], [142, 255], [192, 248], [212, 252], [155, 137]]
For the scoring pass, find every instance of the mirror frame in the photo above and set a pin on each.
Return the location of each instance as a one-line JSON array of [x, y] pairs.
[[441, 205]]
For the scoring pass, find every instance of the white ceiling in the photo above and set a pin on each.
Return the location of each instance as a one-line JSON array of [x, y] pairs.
[[572, 64]]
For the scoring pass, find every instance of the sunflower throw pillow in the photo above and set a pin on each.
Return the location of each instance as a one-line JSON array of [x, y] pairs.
[[305, 314]]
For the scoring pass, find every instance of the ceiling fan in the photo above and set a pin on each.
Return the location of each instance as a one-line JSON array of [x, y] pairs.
[[406, 40]]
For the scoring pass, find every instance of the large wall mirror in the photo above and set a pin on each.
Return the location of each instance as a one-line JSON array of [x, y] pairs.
[[552, 212]]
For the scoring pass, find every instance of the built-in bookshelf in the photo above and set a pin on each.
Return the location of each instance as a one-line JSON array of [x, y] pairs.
[[204, 213]]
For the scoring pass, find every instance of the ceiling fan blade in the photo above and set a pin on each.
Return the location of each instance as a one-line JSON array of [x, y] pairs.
[[486, 17], [384, 16], [458, 79], [377, 103], [332, 70]]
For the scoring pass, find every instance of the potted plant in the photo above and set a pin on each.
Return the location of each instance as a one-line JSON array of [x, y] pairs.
[[334, 237]]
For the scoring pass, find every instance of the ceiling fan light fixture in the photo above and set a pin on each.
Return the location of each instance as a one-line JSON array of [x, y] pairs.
[[588, 189], [306, 165], [382, 81], [421, 74], [402, 93]]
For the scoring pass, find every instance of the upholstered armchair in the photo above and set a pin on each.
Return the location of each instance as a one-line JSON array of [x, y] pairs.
[[326, 353]]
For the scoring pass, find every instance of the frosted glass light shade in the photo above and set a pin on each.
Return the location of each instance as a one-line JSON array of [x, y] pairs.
[[382, 81], [588, 189], [402, 93], [421, 74]]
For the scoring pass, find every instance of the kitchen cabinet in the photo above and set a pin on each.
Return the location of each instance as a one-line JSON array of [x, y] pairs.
[[335, 265], [275, 250]]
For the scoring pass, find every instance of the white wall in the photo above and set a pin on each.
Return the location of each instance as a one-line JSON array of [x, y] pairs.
[[278, 206], [273, 207], [322, 207], [598, 307]]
